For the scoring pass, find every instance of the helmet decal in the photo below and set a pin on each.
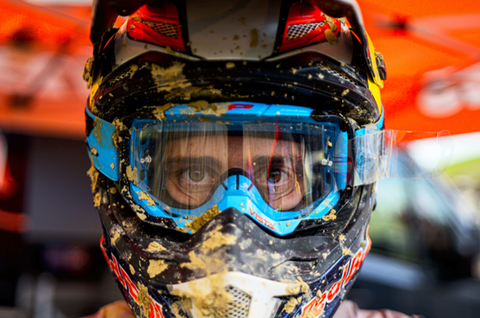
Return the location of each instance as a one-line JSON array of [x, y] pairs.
[[160, 26], [307, 25]]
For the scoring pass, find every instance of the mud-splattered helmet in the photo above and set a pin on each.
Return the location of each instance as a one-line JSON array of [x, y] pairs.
[[235, 147]]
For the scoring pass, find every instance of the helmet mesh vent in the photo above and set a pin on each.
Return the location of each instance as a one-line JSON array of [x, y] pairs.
[[164, 28], [336, 73], [120, 77], [298, 30], [240, 304]]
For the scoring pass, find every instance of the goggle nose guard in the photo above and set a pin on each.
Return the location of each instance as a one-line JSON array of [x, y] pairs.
[[237, 179]]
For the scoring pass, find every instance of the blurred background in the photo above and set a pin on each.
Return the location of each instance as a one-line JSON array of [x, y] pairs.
[[425, 257]]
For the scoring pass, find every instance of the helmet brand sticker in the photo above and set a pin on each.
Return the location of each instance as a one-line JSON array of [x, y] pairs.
[[262, 220], [149, 306], [316, 305], [240, 106]]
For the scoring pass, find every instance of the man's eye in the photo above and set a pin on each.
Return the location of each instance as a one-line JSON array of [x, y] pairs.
[[196, 174], [275, 176]]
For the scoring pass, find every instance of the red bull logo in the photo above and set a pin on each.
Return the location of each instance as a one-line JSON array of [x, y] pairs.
[[153, 308], [317, 304]]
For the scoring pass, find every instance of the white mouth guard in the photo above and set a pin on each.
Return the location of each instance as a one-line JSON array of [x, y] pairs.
[[251, 296]]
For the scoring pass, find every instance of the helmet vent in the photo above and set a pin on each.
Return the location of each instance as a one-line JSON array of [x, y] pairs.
[[296, 31], [240, 304], [121, 77], [336, 73], [164, 28]]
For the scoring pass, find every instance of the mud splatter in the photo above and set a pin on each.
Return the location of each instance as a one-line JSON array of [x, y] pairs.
[[330, 36], [143, 299], [195, 262], [141, 216], [93, 174], [200, 221], [176, 307], [159, 111], [133, 69], [217, 239], [155, 247], [212, 302], [331, 23], [297, 287], [331, 216], [93, 152], [290, 305], [169, 78], [94, 88], [119, 126], [132, 174], [200, 105], [310, 314], [169, 50], [209, 108], [97, 200], [156, 267], [114, 235], [146, 197], [87, 71], [173, 71]]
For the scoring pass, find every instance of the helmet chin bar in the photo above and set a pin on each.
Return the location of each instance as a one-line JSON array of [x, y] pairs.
[[237, 294], [258, 270]]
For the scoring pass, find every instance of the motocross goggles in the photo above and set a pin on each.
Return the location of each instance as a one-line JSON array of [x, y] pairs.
[[279, 164]]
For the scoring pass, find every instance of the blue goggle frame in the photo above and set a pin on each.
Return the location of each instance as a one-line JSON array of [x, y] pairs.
[[105, 156]]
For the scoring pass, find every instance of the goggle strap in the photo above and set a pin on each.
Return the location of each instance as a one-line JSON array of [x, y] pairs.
[[101, 147], [378, 155], [341, 161]]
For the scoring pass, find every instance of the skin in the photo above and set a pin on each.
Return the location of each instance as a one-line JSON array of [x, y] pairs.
[[193, 165]]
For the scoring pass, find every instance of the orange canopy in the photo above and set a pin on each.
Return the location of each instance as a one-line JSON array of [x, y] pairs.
[[42, 54], [432, 52], [431, 49]]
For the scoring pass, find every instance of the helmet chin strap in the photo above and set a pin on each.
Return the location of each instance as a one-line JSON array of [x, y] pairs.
[[254, 295]]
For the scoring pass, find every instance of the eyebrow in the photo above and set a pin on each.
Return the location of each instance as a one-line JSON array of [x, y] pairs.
[[194, 160]]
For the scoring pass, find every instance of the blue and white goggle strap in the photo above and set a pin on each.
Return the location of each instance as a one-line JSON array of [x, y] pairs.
[[378, 154], [103, 152]]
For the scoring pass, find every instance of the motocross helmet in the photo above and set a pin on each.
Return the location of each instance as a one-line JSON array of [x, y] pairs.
[[235, 147]]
